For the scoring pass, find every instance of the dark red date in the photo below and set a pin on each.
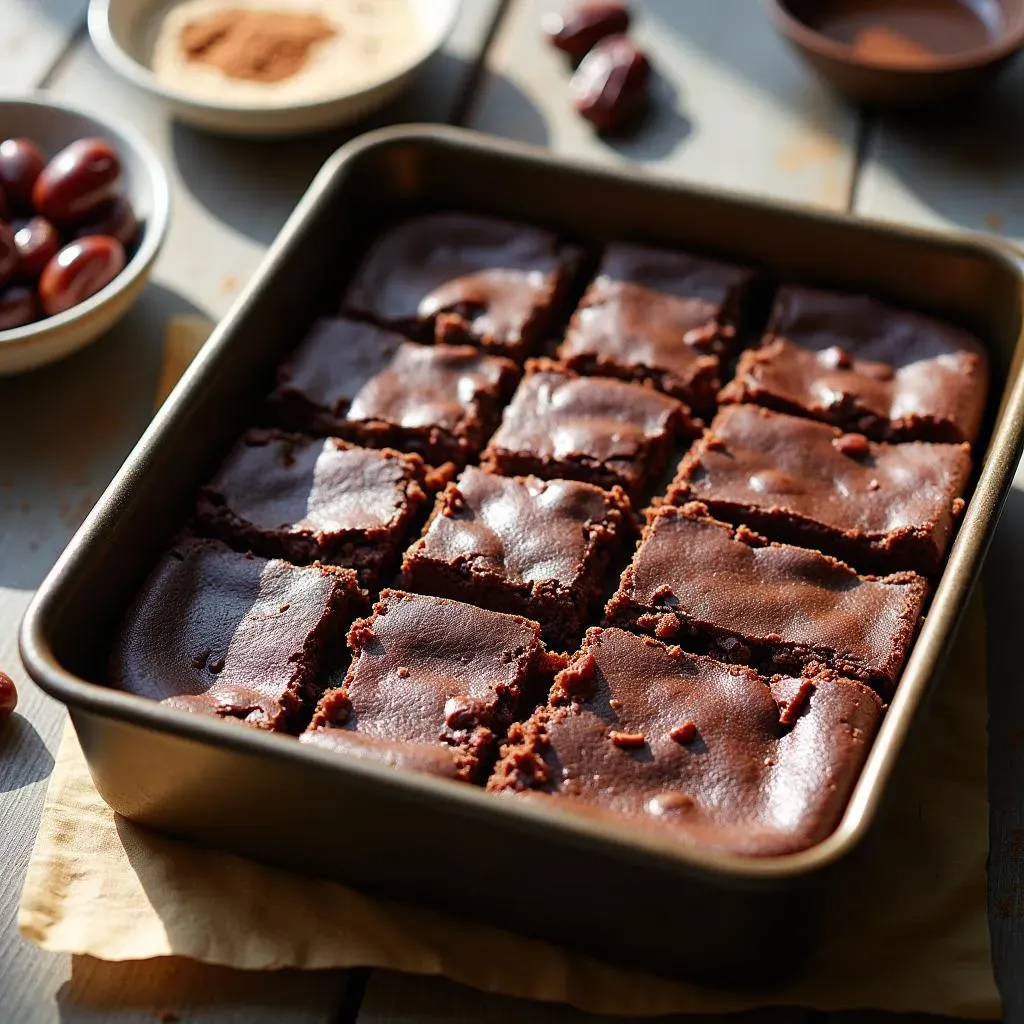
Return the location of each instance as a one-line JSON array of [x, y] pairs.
[[8, 254], [79, 270], [38, 241], [18, 306], [8, 697], [578, 29], [5, 206], [116, 219], [609, 88], [78, 181], [21, 163]]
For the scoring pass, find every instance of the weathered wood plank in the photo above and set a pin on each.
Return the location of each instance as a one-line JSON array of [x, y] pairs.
[[35, 34], [402, 999], [955, 167], [733, 108]]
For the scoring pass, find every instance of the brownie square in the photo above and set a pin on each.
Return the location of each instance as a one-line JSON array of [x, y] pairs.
[[743, 599], [659, 316], [880, 507], [522, 545], [887, 373], [603, 431], [464, 279], [318, 382], [367, 385], [658, 738], [433, 685], [233, 635], [303, 499]]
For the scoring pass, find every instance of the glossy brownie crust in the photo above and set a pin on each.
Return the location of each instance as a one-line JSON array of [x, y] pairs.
[[220, 633], [306, 500], [880, 507], [433, 685], [522, 545], [317, 384], [713, 752], [742, 599], [602, 431], [867, 368], [658, 316], [441, 402], [463, 279]]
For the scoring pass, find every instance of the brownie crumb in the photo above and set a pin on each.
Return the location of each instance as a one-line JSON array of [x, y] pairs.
[[685, 733], [856, 446], [627, 740]]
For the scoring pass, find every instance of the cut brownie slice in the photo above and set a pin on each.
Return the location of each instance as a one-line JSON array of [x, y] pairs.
[[289, 496], [433, 685], [461, 278], [658, 316], [442, 402], [603, 431], [232, 635], [523, 545], [881, 507], [853, 362], [724, 758], [776, 606], [317, 384]]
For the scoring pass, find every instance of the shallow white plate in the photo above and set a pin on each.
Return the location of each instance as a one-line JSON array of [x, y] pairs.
[[54, 125], [124, 31]]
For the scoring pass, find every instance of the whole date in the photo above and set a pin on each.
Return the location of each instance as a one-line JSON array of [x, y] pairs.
[[66, 228]]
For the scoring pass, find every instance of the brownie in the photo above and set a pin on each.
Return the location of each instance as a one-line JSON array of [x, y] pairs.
[[305, 500], [723, 758], [462, 278], [887, 373], [221, 633], [317, 384], [733, 594], [880, 507], [433, 685], [658, 316], [603, 431], [519, 544], [367, 385]]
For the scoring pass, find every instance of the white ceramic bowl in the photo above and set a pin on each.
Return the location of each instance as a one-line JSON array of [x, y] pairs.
[[124, 33], [54, 125]]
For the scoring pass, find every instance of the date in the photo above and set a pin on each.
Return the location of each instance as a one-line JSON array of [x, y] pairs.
[[78, 181], [78, 271], [610, 87], [578, 29]]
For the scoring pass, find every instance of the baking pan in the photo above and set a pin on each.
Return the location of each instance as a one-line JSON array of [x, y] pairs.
[[631, 896]]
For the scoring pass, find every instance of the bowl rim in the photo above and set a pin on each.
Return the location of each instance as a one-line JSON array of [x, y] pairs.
[[980, 56], [155, 226], [145, 78]]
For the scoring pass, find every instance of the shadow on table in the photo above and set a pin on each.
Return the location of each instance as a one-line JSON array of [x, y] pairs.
[[252, 185], [1004, 572], [665, 126], [516, 115], [964, 160], [22, 747], [67, 428]]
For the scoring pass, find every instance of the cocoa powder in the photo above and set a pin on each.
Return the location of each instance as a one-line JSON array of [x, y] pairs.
[[257, 45]]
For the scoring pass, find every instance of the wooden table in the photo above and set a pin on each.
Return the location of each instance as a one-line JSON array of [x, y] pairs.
[[734, 109]]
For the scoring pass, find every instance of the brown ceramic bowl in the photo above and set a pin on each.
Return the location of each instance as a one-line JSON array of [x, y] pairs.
[[901, 52]]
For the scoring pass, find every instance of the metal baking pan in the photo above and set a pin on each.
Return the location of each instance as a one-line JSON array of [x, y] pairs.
[[631, 896]]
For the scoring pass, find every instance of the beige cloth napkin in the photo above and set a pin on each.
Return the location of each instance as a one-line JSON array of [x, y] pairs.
[[906, 931]]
